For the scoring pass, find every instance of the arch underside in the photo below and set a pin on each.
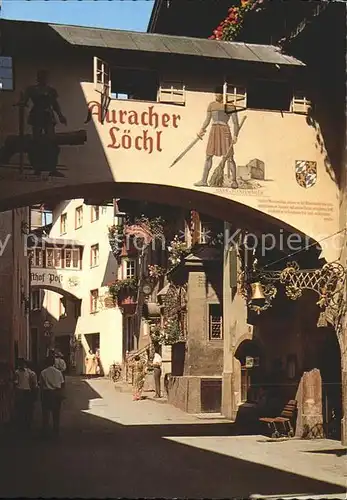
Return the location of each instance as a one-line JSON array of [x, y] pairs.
[[58, 290], [238, 214]]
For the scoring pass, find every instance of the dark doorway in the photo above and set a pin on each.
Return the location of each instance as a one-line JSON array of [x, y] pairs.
[[93, 340], [330, 368], [211, 396], [62, 344], [252, 365]]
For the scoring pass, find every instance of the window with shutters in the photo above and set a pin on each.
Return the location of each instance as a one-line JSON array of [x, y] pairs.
[[300, 104], [235, 95], [172, 93], [94, 255], [215, 322], [79, 217], [102, 76]]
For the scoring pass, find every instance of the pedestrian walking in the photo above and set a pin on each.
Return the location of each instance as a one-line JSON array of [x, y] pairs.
[[99, 370], [91, 364], [139, 373], [51, 385], [59, 363], [24, 384], [157, 363]]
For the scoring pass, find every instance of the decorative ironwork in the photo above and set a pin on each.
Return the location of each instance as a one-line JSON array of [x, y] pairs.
[[328, 282]]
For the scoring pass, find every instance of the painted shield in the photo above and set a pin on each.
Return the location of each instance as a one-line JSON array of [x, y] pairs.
[[306, 173]]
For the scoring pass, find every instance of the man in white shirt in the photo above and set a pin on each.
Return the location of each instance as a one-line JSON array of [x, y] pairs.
[[60, 363], [51, 385], [157, 362], [26, 384]]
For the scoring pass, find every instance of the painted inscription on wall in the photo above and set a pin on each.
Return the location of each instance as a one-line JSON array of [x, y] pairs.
[[122, 123]]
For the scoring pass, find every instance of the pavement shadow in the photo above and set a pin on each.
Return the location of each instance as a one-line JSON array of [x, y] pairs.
[[338, 452], [98, 458]]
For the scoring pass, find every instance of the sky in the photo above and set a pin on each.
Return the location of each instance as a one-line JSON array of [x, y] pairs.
[[132, 15]]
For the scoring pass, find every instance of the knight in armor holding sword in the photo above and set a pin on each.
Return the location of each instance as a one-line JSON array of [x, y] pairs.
[[220, 141]]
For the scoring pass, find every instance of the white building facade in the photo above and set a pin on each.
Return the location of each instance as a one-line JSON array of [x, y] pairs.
[[82, 315]]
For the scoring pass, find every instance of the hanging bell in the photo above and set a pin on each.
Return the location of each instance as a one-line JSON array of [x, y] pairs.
[[257, 292]]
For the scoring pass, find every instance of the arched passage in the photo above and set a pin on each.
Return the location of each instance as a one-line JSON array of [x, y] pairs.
[[219, 207], [68, 295]]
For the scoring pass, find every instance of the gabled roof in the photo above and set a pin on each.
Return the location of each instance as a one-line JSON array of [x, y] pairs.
[[30, 33]]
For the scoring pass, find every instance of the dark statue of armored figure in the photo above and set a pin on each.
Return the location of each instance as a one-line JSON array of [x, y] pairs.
[[45, 106]]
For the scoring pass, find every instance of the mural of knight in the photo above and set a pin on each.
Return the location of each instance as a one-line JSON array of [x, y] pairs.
[[220, 141]]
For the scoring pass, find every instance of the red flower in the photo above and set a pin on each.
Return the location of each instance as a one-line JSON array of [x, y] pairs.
[[212, 37]]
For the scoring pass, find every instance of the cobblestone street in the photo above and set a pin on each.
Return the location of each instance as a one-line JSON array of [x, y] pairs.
[[111, 446]]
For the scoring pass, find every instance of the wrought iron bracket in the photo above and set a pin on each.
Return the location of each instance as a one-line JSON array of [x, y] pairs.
[[328, 282]]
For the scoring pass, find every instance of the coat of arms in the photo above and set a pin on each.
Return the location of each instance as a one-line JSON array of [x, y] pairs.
[[306, 173]]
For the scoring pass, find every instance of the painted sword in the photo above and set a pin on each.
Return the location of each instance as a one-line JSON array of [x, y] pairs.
[[188, 148]]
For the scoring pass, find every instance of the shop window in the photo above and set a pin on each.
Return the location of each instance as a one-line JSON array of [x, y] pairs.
[[95, 213], [63, 223], [6, 73], [172, 93], [271, 95], [235, 95], [94, 255], [300, 104], [129, 268], [215, 322], [134, 84], [79, 217], [94, 300]]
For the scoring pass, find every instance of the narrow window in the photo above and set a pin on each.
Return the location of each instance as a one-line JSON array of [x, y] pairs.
[[95, 213], [94, 255], [215, 322], [79, 217], [63, 223], [94, 297], [6, 73]]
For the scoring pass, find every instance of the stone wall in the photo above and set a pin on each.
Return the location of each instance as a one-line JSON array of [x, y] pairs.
[[186, 392], [203, 356]]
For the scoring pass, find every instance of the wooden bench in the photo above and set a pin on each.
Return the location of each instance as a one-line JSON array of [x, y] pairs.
[[282, 425]]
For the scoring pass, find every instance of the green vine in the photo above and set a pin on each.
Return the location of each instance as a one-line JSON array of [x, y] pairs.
[[168, 334], [116, 238], [120, 288]]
